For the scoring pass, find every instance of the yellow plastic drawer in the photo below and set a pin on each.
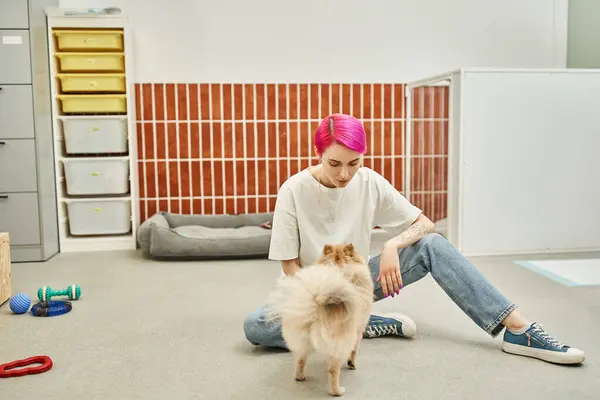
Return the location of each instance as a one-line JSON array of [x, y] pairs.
[[100, 83], [93, 103], [86, 40], [91, 62]]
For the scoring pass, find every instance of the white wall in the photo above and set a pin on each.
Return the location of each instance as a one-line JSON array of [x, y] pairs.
[[337, 41]]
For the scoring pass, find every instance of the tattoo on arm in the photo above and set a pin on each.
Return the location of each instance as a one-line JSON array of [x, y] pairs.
[[413, 234]]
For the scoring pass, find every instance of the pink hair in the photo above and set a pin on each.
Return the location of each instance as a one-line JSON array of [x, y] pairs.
[[342, 129]]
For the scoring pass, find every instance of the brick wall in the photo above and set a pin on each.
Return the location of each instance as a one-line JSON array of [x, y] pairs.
[[226, 148]]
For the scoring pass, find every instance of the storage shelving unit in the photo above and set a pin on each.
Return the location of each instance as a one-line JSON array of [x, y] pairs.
[[93, 113]]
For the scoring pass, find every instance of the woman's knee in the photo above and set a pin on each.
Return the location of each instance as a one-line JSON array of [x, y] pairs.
[[421, 254], [251, 327], [433, 238], [431, 241]]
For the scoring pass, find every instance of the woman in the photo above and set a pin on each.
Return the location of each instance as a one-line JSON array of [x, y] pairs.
[[339, 201]]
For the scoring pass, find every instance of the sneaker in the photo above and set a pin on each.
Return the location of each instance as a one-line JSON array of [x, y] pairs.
[[535, 342], [395, 324]]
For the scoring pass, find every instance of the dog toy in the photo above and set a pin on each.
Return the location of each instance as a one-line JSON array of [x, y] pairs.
[[51, 308], [46, 293], [19, 303], [44, 360]]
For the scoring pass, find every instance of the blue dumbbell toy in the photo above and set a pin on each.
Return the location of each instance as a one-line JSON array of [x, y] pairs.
[[46, 293]]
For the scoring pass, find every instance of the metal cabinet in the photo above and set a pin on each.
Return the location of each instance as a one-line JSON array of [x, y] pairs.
[[14, 14], [27, 182], [15, 67], [19, 215], [16, 111], [17, 166]]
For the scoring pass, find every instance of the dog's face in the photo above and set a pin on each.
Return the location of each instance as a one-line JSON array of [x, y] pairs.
[[340, 254]]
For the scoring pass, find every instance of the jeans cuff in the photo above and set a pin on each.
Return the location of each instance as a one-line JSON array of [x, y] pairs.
[[495, 328]]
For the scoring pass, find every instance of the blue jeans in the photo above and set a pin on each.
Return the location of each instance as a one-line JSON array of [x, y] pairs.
[[433, 254]]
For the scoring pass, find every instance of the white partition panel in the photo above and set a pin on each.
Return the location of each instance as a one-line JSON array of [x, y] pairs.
[[524, 161]]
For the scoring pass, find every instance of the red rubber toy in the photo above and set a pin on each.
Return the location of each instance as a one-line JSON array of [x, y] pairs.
[[44, 360]]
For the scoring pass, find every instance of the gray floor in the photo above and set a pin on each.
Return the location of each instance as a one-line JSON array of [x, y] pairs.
[[157, 330]]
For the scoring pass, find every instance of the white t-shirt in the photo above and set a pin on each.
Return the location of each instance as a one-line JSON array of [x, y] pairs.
[[309, 215]]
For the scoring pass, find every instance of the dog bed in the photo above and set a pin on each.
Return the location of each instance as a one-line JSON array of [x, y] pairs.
[[205, 237]]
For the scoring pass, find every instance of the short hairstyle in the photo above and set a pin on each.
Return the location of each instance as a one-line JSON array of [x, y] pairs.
[[343, 129]]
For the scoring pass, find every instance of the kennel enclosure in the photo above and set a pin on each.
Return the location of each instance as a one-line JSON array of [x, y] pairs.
[[523, 159]]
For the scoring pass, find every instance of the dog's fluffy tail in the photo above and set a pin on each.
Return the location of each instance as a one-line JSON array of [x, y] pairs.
[[321, 302]]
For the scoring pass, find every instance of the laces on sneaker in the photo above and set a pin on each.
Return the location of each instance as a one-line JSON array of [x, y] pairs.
[[381, 330], [539, 330]]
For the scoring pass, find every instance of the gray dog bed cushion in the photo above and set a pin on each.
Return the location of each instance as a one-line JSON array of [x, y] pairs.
[[205, 237]]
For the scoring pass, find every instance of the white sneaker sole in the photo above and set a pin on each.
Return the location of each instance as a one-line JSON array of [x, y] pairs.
[[574, 357], [409, 327]]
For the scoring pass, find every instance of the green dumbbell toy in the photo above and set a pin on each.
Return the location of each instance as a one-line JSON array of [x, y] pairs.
[[46, 293]]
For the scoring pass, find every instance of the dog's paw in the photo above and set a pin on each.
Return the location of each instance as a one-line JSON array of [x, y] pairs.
[[339, 392], [300, 378], [351, 364]]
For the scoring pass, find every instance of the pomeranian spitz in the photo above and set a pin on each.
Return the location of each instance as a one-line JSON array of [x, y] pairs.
[[324, 308]]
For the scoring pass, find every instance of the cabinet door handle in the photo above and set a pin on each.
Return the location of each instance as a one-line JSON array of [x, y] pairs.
[[3, 197], [2, 143]]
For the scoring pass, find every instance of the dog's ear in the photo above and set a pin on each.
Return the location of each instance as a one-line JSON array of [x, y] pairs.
[[327, 249], [349, 249]]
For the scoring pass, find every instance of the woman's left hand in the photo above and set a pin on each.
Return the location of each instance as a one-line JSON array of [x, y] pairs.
[[389, 271]]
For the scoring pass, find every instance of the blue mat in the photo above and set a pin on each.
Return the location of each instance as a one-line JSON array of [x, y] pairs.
[[577, 272]]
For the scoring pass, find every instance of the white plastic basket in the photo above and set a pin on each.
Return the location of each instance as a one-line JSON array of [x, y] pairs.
[[85, 176], [95, 135], [99, 217]]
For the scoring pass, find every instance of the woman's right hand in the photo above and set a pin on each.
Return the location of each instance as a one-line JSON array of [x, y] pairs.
[[389, 271]]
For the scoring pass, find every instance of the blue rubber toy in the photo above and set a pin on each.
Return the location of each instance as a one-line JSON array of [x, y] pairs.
[[19, 303]]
